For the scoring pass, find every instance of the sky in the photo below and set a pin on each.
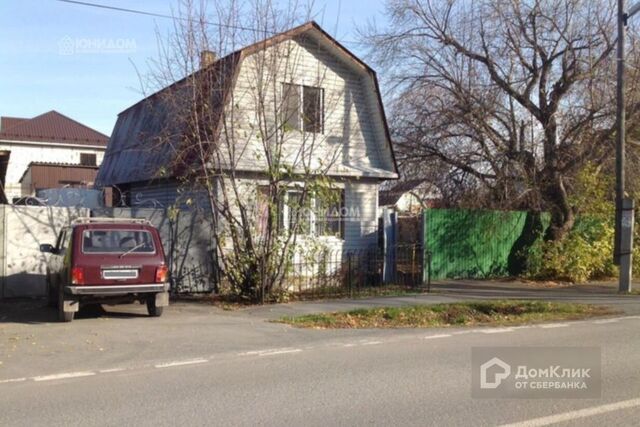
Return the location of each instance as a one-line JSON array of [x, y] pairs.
[[83, 62]]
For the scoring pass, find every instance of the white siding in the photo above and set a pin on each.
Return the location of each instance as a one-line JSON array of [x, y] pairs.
[[361, 200], [24, 153], [353, 140]]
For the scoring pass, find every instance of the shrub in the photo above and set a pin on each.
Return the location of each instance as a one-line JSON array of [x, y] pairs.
[[586, 251]]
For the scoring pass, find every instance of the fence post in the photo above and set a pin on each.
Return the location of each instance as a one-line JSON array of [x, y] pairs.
[[349, 275]]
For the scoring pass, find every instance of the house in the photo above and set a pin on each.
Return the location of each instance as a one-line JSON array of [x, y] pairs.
[[49, 137], [328, 95]]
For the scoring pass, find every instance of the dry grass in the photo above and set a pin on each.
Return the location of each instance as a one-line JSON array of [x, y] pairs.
[[455, 314]]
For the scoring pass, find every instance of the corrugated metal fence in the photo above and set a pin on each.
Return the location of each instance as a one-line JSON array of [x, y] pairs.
[[479, 244]]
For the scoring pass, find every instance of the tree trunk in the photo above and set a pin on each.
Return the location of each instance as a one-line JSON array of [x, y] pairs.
[[562, 214]]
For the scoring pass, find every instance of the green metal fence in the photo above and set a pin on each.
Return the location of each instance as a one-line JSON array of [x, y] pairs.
[[479, 244]]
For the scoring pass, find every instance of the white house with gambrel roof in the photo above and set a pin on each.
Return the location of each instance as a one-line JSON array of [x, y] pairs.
[[327, 92]]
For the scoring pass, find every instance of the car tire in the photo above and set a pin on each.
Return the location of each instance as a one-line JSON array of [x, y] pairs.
[[63, 316], [152, 309]]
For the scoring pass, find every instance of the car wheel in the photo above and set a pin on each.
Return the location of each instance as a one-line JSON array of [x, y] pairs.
[[152, 309], [63, 316]]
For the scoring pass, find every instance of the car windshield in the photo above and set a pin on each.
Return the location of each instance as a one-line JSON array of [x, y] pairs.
[[117, 241]]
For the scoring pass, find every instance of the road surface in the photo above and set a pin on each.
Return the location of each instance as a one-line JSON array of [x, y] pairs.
[[199, 366]]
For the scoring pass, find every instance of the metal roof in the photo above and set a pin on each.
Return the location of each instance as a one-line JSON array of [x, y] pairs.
[[147, 137], [50, 127]]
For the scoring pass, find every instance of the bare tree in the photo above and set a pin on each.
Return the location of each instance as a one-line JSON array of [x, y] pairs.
[[516, 95], [245, 139]]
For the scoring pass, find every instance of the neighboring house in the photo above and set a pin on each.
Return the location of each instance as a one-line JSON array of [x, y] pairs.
[[49, 137], [410, 196], [342, 110], [43, 176]]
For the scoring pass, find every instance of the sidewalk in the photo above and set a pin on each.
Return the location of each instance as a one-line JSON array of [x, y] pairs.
[[462, 290]]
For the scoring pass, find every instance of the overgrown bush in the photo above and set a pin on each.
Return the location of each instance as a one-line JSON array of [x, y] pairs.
[[586, 252]]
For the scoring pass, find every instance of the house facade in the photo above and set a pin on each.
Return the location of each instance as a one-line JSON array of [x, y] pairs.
[[51, 138], [328, 104]]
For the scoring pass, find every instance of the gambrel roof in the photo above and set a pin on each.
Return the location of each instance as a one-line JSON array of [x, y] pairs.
[[135, 153]]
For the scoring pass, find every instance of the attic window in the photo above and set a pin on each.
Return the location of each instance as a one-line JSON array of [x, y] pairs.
[[303, 108]]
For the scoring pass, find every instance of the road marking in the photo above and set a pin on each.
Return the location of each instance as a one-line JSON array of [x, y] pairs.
[[64, 376], [603, 321], [13, 380], [108, 371], [496, 330], [270, 352], [371, 343], [554, 325], [432, 337], [180, 363], [573, 415]]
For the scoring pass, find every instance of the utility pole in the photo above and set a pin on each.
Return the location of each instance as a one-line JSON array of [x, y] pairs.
[[623, 246]]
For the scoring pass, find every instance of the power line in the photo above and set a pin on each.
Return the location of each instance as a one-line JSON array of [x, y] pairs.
[[165, 16]]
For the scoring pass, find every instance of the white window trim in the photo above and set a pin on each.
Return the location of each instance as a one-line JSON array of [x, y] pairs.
[[312, 217]]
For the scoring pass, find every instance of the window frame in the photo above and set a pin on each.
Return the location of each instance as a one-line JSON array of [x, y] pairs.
[[300, 116], [284, 212], [146, 253], [92, 156]]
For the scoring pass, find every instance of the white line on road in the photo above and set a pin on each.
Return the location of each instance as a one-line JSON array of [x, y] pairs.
[[432, 337], [371, 343], [603, 321], [554, 325], [573, 415], [63, 376], [180, 363], [108, 371], [13, 380], [496, 330], [270, 352]]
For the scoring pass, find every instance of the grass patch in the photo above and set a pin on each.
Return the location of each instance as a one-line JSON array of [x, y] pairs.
[[455, 314]]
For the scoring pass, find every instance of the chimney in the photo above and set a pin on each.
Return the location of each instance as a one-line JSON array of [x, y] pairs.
[[207, 57]]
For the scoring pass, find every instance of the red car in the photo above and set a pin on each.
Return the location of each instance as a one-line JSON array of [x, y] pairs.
[[107, 261]]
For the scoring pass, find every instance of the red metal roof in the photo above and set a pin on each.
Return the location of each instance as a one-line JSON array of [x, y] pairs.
[[50, 127], [8, 122]]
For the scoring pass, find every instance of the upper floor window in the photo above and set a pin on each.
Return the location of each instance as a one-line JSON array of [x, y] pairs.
[[303, 107], [88, 159]]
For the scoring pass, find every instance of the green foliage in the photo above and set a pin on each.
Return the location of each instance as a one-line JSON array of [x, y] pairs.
[[586, 252]]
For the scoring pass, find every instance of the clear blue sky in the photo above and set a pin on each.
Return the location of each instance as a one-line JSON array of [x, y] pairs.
[[41, 71]]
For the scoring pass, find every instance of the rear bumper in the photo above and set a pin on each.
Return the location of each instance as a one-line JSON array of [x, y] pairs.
[[117, 289]]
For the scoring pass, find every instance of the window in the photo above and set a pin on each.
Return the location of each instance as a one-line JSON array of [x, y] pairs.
[[303, 108], [313, 215], [312, 112], [117, 241], [294, 209], [88, 159], [329, 214], [291, 106]]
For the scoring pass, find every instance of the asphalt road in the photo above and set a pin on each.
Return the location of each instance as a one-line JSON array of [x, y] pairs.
[[199, 366]]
